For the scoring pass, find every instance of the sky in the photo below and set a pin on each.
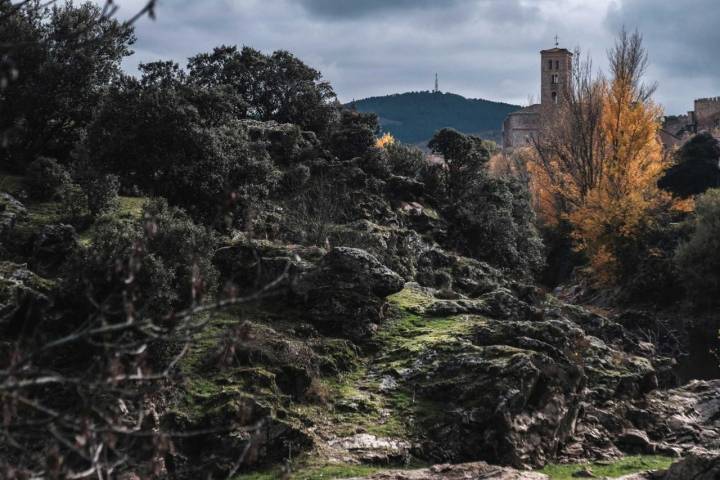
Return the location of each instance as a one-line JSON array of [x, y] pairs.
[[479, 48]]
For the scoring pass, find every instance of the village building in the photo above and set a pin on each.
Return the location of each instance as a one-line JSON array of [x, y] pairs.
[[522, 126]]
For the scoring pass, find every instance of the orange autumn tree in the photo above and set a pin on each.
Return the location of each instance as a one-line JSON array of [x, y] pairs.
[[599, 164], [384, 141]]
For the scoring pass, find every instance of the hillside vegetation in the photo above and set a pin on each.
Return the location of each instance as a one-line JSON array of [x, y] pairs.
[[414, 117], [216, 271]]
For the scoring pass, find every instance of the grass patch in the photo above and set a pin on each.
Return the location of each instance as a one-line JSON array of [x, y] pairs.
[[613, 469]]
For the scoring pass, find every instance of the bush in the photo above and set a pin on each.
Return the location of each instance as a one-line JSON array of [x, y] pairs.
[[695, 169], [495, 223], [102, 194], [698, 259], [74, 203], [45, 177], [405, 160], [159, 264], [354, 134]]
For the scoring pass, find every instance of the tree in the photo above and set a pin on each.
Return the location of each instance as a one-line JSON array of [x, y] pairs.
[[353, 135], [599, 165], [63, 57], [696, 167], [155, 134], [276, 87], [570, 151], [464, 161], [698, 259]]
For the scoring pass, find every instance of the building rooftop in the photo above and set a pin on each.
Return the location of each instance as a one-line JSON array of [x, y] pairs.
[[557, 50]]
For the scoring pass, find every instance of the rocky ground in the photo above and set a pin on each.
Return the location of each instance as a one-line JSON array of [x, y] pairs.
[[469, 367], [390, 352]]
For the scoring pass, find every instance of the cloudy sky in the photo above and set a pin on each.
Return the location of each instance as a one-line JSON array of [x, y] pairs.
[[480, 48]]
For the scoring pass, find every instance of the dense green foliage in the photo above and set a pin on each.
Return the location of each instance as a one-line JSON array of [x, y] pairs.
[[415, 117], [699, 258], [45, 177], [161, 262], [61, 59], [697, 167]]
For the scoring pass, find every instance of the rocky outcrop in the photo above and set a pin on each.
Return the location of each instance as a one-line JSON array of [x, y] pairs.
[[11, 210], [700, 465], [221, 429], [345, 293], [506, 405], [466, 471], [24, 297], [372, 449], [399, 249]]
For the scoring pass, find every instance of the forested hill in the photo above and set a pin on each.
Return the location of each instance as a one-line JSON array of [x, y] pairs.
[[414, 117]]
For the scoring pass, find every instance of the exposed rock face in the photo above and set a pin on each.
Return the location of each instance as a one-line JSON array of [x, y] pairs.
[[688, 416], [10, 211], [346, 292], [372, 449], [398, 249], [227, 424], [24, 296], [696, 466], [467, 471], [507, 405]]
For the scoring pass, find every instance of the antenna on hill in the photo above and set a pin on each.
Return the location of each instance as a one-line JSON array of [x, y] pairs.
[[437, 84]]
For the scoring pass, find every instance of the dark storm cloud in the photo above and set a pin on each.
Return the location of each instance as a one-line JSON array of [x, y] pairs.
[[362, 8], [683, 39], [480, 48]]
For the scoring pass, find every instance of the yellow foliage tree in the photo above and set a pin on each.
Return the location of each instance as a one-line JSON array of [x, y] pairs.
[[598, 168], [384, 141]]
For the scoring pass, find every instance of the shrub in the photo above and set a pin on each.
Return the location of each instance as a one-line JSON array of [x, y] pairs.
[[696, 167], [354, 134], [405, 160], [698, 259], [160, 263], [74, 203], [45, 177], [495, 223], [102, 194]]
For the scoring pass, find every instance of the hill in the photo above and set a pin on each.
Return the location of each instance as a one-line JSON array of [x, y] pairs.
[[414, 117]]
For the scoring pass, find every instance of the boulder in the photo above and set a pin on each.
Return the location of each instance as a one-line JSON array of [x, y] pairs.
[[345, 293], [397, 248], [227, 425], [372, 449], [24, 297], [686, 417], [11, 210], [497, 403], [699, 465]]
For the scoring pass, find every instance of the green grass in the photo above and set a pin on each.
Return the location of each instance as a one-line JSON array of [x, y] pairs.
[[614, 469]]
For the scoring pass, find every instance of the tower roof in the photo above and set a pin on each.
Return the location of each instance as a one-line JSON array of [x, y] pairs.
[[557, 50]]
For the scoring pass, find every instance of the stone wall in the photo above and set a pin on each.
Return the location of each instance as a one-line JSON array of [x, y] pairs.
[[707, 113], [519, 126]]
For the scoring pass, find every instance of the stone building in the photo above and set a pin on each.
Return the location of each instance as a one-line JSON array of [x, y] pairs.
[[677, 129], [555, 77]]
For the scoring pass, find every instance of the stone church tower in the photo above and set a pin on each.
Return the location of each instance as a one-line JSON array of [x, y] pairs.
[[555, 75], [521, 127]]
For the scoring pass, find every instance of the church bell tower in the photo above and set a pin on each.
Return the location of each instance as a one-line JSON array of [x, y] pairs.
[[555, 74]]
